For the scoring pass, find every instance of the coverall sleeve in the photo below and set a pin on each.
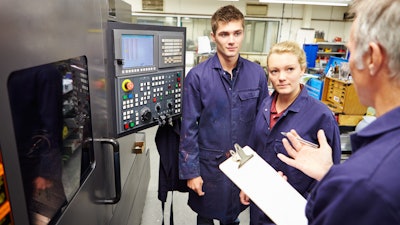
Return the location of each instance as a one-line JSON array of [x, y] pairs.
[[332, 133], [189, 166], [348, 202]]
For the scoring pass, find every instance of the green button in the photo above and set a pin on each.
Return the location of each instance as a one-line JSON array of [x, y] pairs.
[[131, 124]]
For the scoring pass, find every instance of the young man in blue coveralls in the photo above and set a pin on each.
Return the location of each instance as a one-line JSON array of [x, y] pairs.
[[365, 189], [221, 98]]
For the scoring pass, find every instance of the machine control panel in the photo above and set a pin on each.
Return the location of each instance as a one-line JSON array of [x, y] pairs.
[[148, 66], [148, 99]]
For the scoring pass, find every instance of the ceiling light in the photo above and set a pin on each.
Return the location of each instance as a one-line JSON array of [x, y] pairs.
[[310, 2]]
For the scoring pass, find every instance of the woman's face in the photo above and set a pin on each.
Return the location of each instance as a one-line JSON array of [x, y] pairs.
[[284, 71]]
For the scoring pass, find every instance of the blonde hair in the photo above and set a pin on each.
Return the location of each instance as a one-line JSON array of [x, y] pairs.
[[289, 47]]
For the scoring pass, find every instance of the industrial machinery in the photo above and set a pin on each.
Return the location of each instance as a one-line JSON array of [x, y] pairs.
[[76, 88]]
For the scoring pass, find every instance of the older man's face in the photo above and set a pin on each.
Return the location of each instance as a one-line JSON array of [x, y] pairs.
[[359, 69]]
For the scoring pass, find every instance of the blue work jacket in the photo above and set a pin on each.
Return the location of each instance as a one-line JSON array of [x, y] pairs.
[[365, 189], [217, 113], [167, 142], [306, 115]]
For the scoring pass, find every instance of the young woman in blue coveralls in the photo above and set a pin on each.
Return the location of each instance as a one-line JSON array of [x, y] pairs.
[[289, 107], [221, 97]]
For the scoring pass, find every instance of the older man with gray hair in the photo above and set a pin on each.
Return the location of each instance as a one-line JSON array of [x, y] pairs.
[[365, 189]]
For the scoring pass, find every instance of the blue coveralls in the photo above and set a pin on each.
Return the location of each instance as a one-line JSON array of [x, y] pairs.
[[365, 189], [217, 113], [306, 115]]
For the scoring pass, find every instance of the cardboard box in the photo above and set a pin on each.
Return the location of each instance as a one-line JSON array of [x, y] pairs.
[[349, 120], [139, 143]]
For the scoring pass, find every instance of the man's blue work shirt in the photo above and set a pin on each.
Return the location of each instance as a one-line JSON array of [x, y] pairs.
[[365, 189]]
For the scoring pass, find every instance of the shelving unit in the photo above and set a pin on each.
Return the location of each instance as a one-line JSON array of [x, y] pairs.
[[327, 49], [332, 48]]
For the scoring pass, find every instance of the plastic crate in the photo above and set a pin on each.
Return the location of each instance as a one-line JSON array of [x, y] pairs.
[[311, 51], [314, 87], [332, 61]]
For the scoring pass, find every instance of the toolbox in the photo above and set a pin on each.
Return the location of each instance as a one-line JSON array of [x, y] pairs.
[[341, 97]]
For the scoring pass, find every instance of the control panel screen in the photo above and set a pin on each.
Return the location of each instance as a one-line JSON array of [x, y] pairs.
[[137, 50]]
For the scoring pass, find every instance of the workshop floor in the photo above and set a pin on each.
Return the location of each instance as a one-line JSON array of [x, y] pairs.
[[152, 214]]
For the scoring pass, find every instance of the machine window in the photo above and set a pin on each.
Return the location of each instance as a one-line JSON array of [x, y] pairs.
[[50, 108]]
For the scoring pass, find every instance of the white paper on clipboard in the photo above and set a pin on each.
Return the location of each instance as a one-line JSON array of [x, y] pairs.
[[267, 189]]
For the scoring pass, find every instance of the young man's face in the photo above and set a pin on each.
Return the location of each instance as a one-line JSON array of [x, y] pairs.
[[228, 38]]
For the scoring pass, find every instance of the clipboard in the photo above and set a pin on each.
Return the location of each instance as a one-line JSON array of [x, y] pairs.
[[265, 187]]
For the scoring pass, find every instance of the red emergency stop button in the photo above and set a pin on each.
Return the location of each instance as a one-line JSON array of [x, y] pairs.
[[127, 85]]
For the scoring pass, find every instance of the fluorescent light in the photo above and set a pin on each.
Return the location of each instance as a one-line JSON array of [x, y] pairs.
[[316, 2]]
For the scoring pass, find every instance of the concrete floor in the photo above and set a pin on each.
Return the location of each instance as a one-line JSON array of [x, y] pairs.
[[183, 215]]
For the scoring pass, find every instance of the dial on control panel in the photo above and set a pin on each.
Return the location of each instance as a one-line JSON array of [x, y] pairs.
[[145, 114], [158, 107], [169, 105]]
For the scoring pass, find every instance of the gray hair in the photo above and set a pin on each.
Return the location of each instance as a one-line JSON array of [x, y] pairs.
[[378, 21]]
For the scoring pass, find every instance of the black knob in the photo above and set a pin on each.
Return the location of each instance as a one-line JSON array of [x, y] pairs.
[[145, 114], [169, 105], [158, 108]]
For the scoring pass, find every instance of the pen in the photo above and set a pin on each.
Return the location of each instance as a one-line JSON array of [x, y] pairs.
[[302, 141]]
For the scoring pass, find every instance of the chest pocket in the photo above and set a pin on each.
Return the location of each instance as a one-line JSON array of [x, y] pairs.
[[248, 105]]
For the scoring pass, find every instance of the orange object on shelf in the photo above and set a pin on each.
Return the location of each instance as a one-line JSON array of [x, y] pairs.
[[337, 39]]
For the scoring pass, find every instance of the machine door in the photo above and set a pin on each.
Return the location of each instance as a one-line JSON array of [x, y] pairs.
[[59, 164], [51, 114]]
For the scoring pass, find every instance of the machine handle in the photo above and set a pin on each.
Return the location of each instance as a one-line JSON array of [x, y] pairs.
[[117, 172]]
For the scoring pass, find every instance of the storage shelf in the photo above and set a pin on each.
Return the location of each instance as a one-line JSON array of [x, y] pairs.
[[337, 49], [331, 43], [331, 53]]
